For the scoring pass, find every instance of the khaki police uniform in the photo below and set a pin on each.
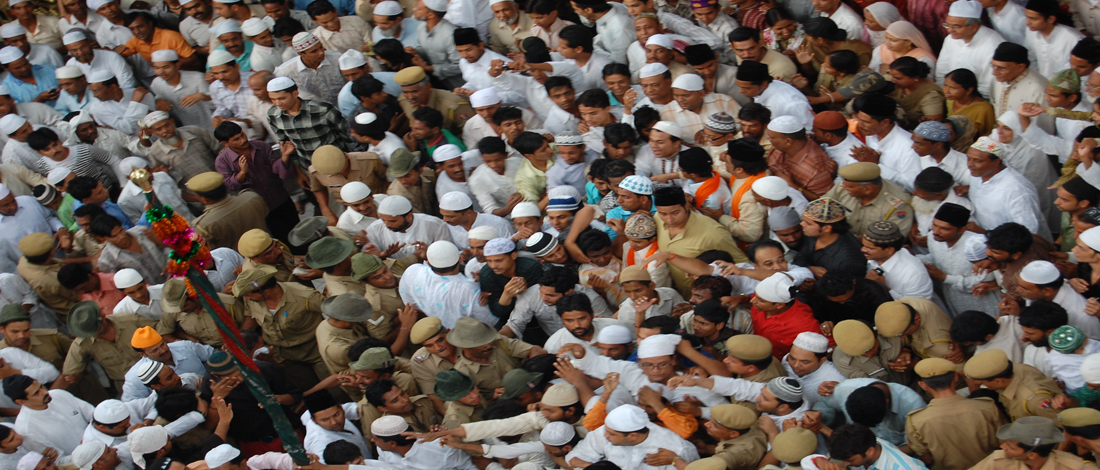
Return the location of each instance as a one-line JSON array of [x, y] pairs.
[[421, 196], [334, 344], [458, 414], [891, 205], [222, 223], [1030, 393], [43, 279], [1057, 460], [290, 331], [199, 324], [743, 452], [336, 285], [875, 367], [957, 431], [507, 352], [775, 369], [365, 167], [933, 337], [284, 269], [50, 346], [116, 356], [456, 109], [421, 419]]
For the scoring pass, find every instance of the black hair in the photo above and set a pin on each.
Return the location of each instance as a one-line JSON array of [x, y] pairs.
[[840, 227], [752, 167], [376, 391], [288, 27], [542, 7], [227, 130], [973, 326], [850, 440], [1090, 432], [341, 452], [1043, 315], [491, 144], [775, 15], [965, 79], [861, 100], [644, 117], [1082, 190], [615, 68], [557, 82], [867, 405], [845, 61], [134, 15], [757, 245], [251, 338], [596, 7], [712, 311], [666, 324], [507, 113], [617, 133], [711, 256], [574, 303], [911, 67], [620, 169], [941, 382], [220, 192], [81, 187], [319, 7], [42, 138], [594, 98], [542, 364], [173, 403], [502, 409], [362, 345], [103, 225], [1010, 237], [755, 112], [744, 33], [575, 35], [399, 440], [561, 278], [598, 169], [15, 386], [717, 285], [431, 117], [592, 240], [528, 142], [366, 86], [394, 52]]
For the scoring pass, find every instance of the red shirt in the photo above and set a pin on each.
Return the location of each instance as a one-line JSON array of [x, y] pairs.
[[783, 328], [107, 296]]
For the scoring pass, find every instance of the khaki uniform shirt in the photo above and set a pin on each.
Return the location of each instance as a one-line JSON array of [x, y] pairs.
[[334, 344], [459, 414], [422, 196], [421, 419], [932, 338], [291, 330], [424, 367], [365, 167], [84, 244], [456, 109], [43, 279], [505, 357], [958, 432], [1057, 460], [891, 204], [873, 367], [775, 369], [1029, 394], [336, 285], [222, 223], [47, 344], [743, 452], [199, 324], [116, 356], [284, 270]]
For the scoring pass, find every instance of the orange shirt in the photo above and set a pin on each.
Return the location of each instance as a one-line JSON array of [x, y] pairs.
[[675, 421], [162, 39]]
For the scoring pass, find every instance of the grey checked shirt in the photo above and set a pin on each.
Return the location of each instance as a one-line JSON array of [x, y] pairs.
[[317, 123]]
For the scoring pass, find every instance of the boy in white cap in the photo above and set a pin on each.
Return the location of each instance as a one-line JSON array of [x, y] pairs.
[[141, 298], [969, 45], [14, 34], [337, 33], [79, 45], [692, 105], [267, 52], [353, 66], [361, 211], [390, 22], [74, 94], [396, 449], [663, 161], [486, 102], [1041, 280], [628, 438], [434, 288], [458, 211], [28, 82], [185, 93], [116, 107], [399, 231]]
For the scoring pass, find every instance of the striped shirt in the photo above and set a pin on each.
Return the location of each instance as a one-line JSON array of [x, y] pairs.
[[892, 458], [85, 160], [229, 103]]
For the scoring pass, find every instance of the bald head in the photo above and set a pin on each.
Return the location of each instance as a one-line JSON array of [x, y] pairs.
[[258, 83]]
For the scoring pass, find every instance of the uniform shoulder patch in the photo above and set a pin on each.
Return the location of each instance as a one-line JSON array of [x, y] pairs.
[[422, 357]]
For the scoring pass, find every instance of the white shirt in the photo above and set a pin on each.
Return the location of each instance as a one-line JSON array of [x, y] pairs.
[[595, 447], [19, 153], [57, 426], [132, 198], [1037, 358], [905, 275], [898, 161], [110, 61], [592, 71], [810, 382], [152, 310], [477, 76], [563, 336], [122, 115], [387, 146], [614, 33], [492, 190], [555, 120], [268, 58], [140, 410], [847, 19], [1074, 304], [1007, 197], [974, 56], [632, 377], [842, 153], [785, 100], [1061, 144], [30, 217], [424, 228], [1007, 339], [353, 222], [429, 456], [15, 290], [1050, 55], [1010, 22], [110, 35], [408, 33], [445, 297], [226, 261], [31, 366], [460, 236], [954, 163], [667, 298], [317, 437], [478, 128], [42, 54], [1067, 367]]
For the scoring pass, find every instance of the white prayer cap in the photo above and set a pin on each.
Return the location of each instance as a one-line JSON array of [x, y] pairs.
[[4, 191], [668, 127], [443, 254], [73, 36], [12, 30], [304, 41], [145, 440], [807, 462], [557, 434], [4, 91], [569, 139], [966, 9], [279, 84], [652, 70], [165, 55], [484, 232], [772, 188], [225, 27], [1091, 238], [11, 123], [658, 345], [219, 57], [615, 334], [395, 205], [154, 117], [975, 249], [446, 152], [436, 5], [776, 288], [1040, 272], [354, 191], [626, 418], [688, 82], [455, 201], [85, 455], [351, 59], [253, 27], [526, 209], [563, 198], [500, 246], [221, 455], [812, 342], [100, 76], [494, 2], [388, 8], [125, 167], [126, 278], [486, 97], [68, 71], [786, 125], [149, 370], [1090, 369], [30, 461], [111, 411], [16, 2], [389, 425], [10, 54], [662, 40], [57, 175], [365, 118], [97, 4]]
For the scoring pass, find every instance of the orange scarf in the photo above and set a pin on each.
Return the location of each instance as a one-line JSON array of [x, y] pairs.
[[706, 189], [735, 203], [630, 253]]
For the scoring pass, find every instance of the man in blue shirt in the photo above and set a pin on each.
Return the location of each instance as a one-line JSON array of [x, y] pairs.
[[28, 82], [88, 190], [75, 94]]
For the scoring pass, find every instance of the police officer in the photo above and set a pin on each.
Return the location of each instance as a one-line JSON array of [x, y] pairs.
[[417, 92], [345, 318], [870, 198], [333, 257], [862, 353], [750, 357], [953, 431], [436, 355], [259, 249], [185, 318], [39, 268], [331, 169], [1029, 442], [393, 320], [486, 355], [105, 340], [741, 444], [226, 217], [924, 326], [1024, 391]]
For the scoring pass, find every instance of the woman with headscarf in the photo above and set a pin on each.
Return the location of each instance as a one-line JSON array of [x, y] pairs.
[[876, 18], [1029, 161], [901, 39]]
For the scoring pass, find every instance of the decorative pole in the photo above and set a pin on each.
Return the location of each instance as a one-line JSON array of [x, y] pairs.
[[189, 255]]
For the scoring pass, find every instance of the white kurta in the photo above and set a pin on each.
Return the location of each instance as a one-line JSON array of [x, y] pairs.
[[477, 76], [614, 33], [427, 456], [1007, 197], [810, 382], [1074, 304], [555, 120], [785, 100], [492, 190], [317, 438], [444, 297], [899, 162], [973, 56], [954, 163], [152, 310], [424, 228], [1010, 22], [960, 277], [460, 236], [595, 447], [110, 61], [905, 276], [122, 115], [30, 365], [1050, 55], [57, 426]]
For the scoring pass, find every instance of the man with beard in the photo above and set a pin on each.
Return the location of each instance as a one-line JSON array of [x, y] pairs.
[[947, 263], [579, 322], [932, 188], [185, 93], [786, 226], [509, 27], [539, 301], [399, 230], [52, 417], [184, 357], [328, 421], [871, 198], [1038, 321], [99, 456], [389, 22], [231, 37], [267, 52], [186, 151]]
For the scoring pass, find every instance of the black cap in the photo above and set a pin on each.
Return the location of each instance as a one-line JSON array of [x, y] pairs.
[[824, 28], [698, 54], [954, 214], [319, 401], [1011, 52], [753, 71], [745, 149], [16, 385], [875, 104], [667, 196], [696, 161], [1047, 8], [535, 50], [466, 36], [933, 180], [1087, 49]]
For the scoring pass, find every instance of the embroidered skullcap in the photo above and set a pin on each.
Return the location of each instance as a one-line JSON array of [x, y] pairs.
[[772, 188], [165, 55], [668, 127], [112, 411], [127, 277], [1040, 272], [31, 461], [812, 342], [658, 345], [443, 254], [1091, 238], [541, 244], [637, 184], [698, 54], [147, 371], [100, 76], [652, 70], [73, 36], [389, 425], [1011, 52], [662, 40], [526, 209], [254, 27], [11, 123], [1066, 339], [640, 225], [786, 125], [395, 205], [627, 418], [883, 231], [776, 288], [10, 54], [721, 122], [557, 434], [484, 97], [484, 232], [85, 455], [223, 454], [830, 121], [785, 388], [966, 9], [933, 130], [304, 40], [782, 218], [499, 246], [954, 214], [615, 334], [279, 84], [975, 249], [1066, 81], [688, 82], [354, 191], [563, 198], [825, 211], [568, 138], [388, 8], [1090, 369], [146, 440], [455, 201], [351, 60]]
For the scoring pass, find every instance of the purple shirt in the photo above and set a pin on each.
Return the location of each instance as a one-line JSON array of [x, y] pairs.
[[266, 173]]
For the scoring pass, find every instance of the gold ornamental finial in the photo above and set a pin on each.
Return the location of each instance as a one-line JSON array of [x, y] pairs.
[[141, 177]]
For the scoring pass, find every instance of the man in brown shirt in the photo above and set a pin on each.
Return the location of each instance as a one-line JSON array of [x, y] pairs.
[[485, 355], [105, 340], [331, 169], [798, 159]]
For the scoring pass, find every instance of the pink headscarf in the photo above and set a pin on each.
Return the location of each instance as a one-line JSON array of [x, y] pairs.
[[905, 30]]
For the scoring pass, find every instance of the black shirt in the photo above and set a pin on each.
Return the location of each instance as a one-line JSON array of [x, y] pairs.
[[250, 422], [862, 305]]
